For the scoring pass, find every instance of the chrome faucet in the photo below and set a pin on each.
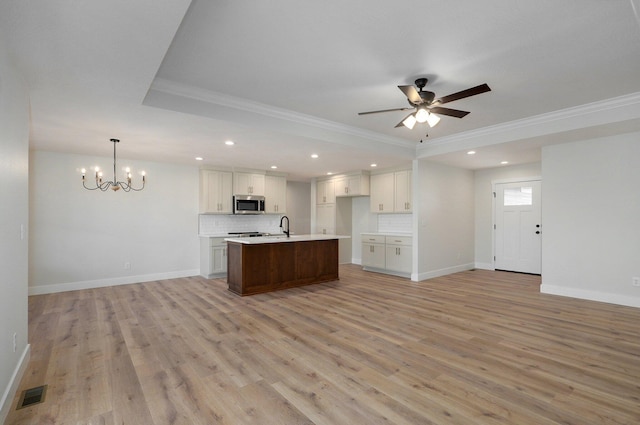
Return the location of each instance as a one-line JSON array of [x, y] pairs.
[[286, 232]]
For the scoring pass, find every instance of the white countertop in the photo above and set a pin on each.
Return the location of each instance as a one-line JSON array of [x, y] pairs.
[[387, 233], [216, 235], [292, 238]]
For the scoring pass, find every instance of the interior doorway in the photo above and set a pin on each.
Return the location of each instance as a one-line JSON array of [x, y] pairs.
[[517, 226]]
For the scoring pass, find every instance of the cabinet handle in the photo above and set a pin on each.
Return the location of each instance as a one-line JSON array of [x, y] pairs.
[[371, 248]]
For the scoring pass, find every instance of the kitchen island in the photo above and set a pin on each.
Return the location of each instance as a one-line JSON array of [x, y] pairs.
[[271, 263]]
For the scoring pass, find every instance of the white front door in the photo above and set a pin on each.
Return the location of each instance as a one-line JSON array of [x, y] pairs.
[[517, 226]]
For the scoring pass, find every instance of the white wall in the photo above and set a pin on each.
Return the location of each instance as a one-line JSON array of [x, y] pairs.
[[14, 220], [591, 219], [81, 238], [484, 206], [444, 197]]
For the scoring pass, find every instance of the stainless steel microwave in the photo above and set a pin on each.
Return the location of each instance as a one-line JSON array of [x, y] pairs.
[[248, 204]]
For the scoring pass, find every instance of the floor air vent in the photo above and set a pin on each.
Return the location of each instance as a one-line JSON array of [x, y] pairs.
[[32, 396]]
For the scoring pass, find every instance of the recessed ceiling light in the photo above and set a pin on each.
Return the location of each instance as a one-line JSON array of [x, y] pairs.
[[199, 158], [504, 162], [329, 173], [274, 167], [229, 143], [314, 155], [471, 153], [374, 165]]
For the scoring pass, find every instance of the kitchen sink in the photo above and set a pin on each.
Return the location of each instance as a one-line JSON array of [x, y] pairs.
[[283, 236]]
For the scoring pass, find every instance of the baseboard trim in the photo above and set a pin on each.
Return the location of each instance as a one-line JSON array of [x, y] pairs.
[[484, 266], [101, 283], [14, 384], [442, 272], [385, 271], [584, 294]]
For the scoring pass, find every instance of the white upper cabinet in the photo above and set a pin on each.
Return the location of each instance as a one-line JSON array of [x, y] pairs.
[[382, 188], [391, 192], [325, 192], [275, 194], [403, 192], [215, 192], [352, 185], [248, 184]]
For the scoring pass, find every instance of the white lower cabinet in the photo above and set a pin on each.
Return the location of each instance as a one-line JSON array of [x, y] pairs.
[[398, 253], [373, 251], [387, 253], [213, 257]]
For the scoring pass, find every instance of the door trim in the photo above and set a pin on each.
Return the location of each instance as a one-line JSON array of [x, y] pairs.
[[493, 209]]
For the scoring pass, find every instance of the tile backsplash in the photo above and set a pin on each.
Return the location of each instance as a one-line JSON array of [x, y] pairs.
[[213, 224], [395, 223]]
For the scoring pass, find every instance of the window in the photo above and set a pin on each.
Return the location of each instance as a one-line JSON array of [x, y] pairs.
[[518, 196]]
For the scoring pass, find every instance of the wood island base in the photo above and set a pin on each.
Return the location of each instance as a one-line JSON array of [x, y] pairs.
[[266, 267]]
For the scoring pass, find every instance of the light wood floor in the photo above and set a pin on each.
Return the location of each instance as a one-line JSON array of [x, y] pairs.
[[476, 347]]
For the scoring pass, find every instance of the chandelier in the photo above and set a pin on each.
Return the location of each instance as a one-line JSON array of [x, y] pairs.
[[114, 184]]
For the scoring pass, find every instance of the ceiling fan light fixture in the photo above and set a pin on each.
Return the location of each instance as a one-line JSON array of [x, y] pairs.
[[432, 120], [410, 121], [422, 115]]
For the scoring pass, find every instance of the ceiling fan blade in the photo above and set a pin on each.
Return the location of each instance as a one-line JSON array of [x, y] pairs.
[[401, 123], [447, 111], [482, 88], [411, 93], [383, 110]]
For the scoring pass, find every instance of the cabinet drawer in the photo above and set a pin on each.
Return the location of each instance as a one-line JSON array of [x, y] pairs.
[[398, 240], [372, 238], [217, 241]]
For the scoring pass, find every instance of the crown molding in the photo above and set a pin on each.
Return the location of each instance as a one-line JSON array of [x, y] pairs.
[[249, 106], [608, 111]]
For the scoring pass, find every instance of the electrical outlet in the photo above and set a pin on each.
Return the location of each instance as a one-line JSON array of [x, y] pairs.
[[635, 281], [127, 266], [15, 342]]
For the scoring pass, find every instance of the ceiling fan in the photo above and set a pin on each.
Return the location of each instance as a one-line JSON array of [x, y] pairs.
[[426, 107]]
